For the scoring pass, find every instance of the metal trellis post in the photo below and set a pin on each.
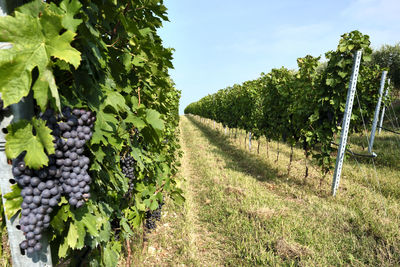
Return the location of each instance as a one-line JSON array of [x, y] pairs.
[[383, 109], [250, 141], [346, 122], [22, 110], [377, 109]]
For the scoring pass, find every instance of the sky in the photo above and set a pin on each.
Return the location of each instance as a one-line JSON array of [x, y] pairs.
[[222, 42]]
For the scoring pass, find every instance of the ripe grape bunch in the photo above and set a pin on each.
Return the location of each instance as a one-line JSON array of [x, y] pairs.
[[41, 192], [152, 217], [128, 169], [66, 173], [75, 131]]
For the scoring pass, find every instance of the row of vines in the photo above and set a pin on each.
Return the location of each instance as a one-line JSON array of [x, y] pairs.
[[99, 65], [303, 107]]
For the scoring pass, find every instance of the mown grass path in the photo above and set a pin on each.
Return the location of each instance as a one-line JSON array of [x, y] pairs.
[[242, 209]]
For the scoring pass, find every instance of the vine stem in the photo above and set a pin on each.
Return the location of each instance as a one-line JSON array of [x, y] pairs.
[[139, 96], [128, 246]]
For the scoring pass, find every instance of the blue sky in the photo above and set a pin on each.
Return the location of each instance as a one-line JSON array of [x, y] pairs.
[[222, 42]]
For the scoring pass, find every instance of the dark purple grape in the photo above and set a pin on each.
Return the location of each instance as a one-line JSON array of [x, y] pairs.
[[79, 204], [46, 193], [46, 219], [24, 245], [37, 200], [28, 199], [30, 235], [68, 189], [36, 191], [35, 181], [16, 171], [21, 166], [67, 162], [37, 230], [59, 154], [26, 179], [38, 247], [66, 134], [49, 184], [41, 186], [32, 241], [53, 202], [54, 190], [73, 201], [52, 170], [25, 212]]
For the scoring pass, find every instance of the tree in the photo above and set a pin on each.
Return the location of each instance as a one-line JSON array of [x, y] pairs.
[[388, 56]]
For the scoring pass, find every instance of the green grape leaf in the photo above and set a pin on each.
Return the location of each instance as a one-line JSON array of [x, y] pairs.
[[72, 237], [117, 101], [80, 227], [136, 121], [63, 249], [110, 255], [153, 118], [20, 138], [13, 201], [105, 124], [33, 8], [34, 41], [70, 8]]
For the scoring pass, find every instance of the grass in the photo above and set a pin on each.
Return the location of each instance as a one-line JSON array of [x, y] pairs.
[[243, 209]]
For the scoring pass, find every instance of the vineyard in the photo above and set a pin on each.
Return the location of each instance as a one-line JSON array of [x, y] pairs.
[[303, 107], [98, 168]]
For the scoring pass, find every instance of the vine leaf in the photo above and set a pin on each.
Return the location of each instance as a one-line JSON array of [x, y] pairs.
[[117, 101], [153, 118], [70, 8], [72, 237], [35, 40], [20, 138], [13, 201]]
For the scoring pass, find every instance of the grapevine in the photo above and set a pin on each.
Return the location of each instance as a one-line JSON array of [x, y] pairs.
[[303, 106], [98, 75]]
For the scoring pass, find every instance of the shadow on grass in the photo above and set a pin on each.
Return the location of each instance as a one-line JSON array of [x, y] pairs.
[[249, 163]]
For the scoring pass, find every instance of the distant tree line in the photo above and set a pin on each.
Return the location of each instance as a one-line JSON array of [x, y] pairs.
[[388, 56]]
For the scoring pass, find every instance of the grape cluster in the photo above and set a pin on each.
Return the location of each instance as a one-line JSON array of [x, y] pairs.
[[75, 130], [40, 192], [128, 169], [66, 173], [152, 217]]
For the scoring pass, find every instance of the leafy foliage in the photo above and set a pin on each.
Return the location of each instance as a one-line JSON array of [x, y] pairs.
[[104, 56], [388, 56]]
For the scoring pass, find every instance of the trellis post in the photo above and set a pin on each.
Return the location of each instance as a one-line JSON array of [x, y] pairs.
[[383, 108], [377, 109], [21, 110], [346, 122]]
